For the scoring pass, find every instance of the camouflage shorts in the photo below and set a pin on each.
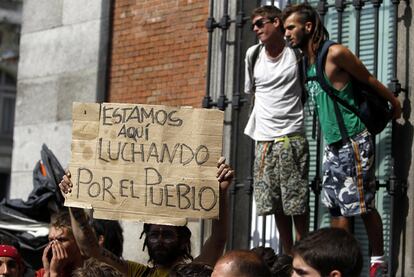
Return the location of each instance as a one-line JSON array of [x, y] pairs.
[[281, 176], [348, 187]]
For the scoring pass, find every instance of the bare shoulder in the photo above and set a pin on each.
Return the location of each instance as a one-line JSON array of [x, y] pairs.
[[337, 52]]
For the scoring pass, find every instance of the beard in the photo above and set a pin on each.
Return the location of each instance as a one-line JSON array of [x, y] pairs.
[[163, 255], [301, 40]]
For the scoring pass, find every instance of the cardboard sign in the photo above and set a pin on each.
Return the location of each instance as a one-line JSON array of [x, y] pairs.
[[148, 163]]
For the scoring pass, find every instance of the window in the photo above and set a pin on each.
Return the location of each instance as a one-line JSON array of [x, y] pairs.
[[7, 103]]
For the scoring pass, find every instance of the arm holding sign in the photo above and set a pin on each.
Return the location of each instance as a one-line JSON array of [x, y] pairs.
[[213, 248], [210, 252], [86, 237]]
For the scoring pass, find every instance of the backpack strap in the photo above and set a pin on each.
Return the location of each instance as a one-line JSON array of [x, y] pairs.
[[251, 62], [302, 74], [320, 70]]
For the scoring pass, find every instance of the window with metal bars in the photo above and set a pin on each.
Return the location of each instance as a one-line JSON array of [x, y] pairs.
[[7, 103]]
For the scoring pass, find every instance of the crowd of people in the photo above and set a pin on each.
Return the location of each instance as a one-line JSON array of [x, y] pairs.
[[81, 246]]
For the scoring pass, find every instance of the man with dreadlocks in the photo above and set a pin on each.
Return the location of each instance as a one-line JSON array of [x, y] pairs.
[[175, 243], [167, 245], [349, 172]]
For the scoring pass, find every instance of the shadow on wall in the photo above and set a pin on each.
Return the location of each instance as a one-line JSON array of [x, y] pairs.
[[402, 149]]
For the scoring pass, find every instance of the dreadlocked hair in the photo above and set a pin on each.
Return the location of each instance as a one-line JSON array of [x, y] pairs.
[[307, 13], [184, 235]]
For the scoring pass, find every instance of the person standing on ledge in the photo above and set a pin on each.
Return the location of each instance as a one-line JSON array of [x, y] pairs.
[[276, 124], [348, 187]]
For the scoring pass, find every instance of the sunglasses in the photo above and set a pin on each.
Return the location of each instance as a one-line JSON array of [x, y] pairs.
[[261, 22]]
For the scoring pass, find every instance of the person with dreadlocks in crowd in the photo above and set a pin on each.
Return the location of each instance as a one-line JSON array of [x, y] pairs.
[[167, 245]]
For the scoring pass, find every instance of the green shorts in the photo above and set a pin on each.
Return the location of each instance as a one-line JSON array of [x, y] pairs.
[[281, 176]]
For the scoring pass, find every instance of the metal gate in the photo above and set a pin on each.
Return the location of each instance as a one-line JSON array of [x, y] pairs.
[[369, 29]]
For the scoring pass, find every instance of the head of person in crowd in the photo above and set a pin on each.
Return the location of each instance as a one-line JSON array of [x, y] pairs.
[[110, 235], [241, 263], [279, 265], [266, 253], [267, 23], [282, 267], [166, 244], [193, 269], [326, 252], [303, 25], [95, 268], [11, 262], [61, 238]]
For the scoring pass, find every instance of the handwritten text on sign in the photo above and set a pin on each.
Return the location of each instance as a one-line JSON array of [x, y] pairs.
[[145, 162]]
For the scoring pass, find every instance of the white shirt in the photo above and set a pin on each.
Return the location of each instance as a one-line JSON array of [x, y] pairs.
[[278, 109]]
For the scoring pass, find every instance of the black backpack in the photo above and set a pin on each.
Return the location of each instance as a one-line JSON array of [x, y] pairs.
[[373, 110]]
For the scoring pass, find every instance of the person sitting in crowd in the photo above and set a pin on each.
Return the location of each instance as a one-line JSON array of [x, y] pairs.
[[326, 252], [11, 262], [279, 265], [94, 268], [191, 270], [282, 267], [62, 255], [241, 263], [167, 245]]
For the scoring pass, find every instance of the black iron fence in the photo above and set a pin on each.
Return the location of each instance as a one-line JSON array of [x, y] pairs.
[[363, 26]]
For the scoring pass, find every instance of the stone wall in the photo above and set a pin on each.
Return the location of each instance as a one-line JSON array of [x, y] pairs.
[[62, 59]]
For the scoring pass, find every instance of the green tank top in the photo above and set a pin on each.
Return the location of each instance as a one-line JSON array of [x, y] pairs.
[[325, 110]]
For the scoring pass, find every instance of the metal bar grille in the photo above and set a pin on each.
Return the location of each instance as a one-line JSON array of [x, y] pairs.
[[339, 11]]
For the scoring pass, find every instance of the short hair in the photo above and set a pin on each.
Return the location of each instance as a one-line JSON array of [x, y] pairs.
[[61, 219], [95, 268], [279, 265], [308, 14], [184, 239], [330, 249], [193, 269], [246, 263], [112, 232], [269, 12]]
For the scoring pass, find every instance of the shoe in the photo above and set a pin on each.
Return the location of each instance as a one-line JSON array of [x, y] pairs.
[[378, 270]]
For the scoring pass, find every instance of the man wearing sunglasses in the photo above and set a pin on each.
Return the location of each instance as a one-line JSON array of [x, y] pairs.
[[276, 124]]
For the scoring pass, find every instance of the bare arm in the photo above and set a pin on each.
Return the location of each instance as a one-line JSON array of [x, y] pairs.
[[341, 57], [85, 236], [214, 245]]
